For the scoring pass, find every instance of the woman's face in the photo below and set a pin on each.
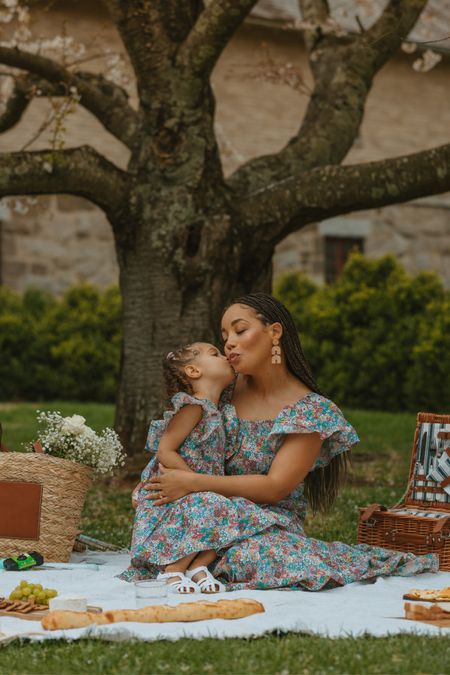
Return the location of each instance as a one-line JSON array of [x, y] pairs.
[[247, 341]]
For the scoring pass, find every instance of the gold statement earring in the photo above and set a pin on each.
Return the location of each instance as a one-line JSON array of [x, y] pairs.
[[276, 351]]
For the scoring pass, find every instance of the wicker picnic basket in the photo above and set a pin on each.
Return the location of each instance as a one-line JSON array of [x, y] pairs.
[[420, 522], [41, 499]]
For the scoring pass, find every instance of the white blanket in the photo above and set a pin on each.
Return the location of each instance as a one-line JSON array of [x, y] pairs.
[[353, 610]]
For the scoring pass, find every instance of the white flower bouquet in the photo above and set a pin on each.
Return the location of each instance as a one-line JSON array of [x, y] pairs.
[[70, 438]]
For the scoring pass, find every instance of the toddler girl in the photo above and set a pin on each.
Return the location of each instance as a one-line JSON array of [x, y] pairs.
[[180, 539]]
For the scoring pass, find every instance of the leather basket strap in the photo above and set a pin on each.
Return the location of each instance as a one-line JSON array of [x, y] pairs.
[[370, 510], [441, 523], [2, 447]]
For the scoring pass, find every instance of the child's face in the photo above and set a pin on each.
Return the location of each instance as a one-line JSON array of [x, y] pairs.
[[213, 364]]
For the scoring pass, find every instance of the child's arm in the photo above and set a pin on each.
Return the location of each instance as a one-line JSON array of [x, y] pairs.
[[178, 430]]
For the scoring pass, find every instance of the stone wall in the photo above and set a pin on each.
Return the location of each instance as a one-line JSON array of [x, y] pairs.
[[63, 239]]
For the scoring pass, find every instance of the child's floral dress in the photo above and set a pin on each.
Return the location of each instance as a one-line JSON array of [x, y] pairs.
[[199, 521], [286, 557]]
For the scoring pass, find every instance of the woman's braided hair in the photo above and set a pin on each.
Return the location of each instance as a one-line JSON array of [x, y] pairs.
[[321, 485], [175, 379]]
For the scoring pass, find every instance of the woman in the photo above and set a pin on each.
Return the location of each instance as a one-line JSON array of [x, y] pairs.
[[287, 449]]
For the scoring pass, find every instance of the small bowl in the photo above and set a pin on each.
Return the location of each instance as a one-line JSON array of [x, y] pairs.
[[151, 588]]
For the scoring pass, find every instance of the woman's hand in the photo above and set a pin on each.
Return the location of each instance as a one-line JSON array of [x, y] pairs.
[[171, 484]]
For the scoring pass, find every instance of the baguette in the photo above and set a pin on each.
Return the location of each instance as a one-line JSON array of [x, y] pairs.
[[186, 611]]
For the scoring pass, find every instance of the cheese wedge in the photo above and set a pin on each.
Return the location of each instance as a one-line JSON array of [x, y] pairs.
[[74, 603]]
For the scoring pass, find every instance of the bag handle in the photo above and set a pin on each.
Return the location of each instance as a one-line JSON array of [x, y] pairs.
[[370, 510], [2, 447], [37, 447], [441, 523]]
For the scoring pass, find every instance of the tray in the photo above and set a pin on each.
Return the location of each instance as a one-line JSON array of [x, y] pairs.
[[414, 599], [39, 614]]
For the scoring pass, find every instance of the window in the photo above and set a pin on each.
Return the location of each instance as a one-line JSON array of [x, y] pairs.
[[337, 250]]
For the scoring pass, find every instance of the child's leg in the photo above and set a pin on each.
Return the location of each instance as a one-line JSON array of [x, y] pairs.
[[182, 564], [204, 558]]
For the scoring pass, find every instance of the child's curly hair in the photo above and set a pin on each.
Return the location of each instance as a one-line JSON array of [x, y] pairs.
[[175, 379]]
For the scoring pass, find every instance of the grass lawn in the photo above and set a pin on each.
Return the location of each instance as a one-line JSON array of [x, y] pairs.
[[379, 473]]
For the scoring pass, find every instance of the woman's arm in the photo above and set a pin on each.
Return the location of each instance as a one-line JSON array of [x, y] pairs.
[[290, 466], [178, 429]]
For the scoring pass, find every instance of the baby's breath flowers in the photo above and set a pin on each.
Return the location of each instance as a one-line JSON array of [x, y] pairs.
[[70, 438]]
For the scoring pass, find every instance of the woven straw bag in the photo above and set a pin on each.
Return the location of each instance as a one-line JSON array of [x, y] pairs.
[[58, 488]]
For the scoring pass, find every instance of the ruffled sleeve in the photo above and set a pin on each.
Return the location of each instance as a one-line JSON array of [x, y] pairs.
[[210, 422], [316, 413]]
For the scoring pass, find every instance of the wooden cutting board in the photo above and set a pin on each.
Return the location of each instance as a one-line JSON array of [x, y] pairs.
[[37, 615], [410, 597]]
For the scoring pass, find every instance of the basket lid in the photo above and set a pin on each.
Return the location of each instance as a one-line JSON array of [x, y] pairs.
[[429, 473]]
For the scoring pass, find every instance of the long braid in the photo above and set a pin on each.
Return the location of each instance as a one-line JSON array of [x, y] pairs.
[[321, 485]]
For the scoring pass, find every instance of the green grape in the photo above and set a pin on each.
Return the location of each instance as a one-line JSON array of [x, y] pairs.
[[23, 583], [26, 591], [38, 587], [31, 598], [51, 593], [41, 596]]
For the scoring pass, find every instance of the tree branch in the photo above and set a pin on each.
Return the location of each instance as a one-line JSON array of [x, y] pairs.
[[144, 35], [392, 27], [107, 101], [79, 171], [211, 33], [315, 12], [343, 69], [16, 105], [328, 191]]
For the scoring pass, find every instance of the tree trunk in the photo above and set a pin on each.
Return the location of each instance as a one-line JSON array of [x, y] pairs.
[[175, 279]]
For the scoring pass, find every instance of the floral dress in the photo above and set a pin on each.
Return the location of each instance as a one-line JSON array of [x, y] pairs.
[[276, 557], [199, 521]]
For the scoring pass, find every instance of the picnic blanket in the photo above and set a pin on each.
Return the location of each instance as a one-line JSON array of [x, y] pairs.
[[353, 610]]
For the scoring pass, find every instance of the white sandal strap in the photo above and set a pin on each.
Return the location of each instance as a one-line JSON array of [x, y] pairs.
[[208, 583], [182, 583]]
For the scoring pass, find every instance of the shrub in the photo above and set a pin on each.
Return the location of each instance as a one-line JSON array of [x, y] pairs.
[[60, 349], [369, 335]]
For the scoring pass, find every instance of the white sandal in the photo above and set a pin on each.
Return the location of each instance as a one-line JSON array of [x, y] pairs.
[[207, 584], [182, 584]]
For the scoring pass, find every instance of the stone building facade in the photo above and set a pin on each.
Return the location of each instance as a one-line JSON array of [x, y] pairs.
[[60, 240]]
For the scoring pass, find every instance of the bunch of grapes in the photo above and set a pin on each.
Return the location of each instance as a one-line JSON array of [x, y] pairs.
[[32, 593]]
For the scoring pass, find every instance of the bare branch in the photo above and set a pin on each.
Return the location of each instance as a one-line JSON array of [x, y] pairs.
[[344, 70], [16, 105], [315, 12], [211, 33], [141, 27], [392, 27], [79, 171], [104, 99], [328, 191]]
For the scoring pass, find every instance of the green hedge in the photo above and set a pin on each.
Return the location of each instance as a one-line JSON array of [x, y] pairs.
[[378, 338], [60, 349]]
